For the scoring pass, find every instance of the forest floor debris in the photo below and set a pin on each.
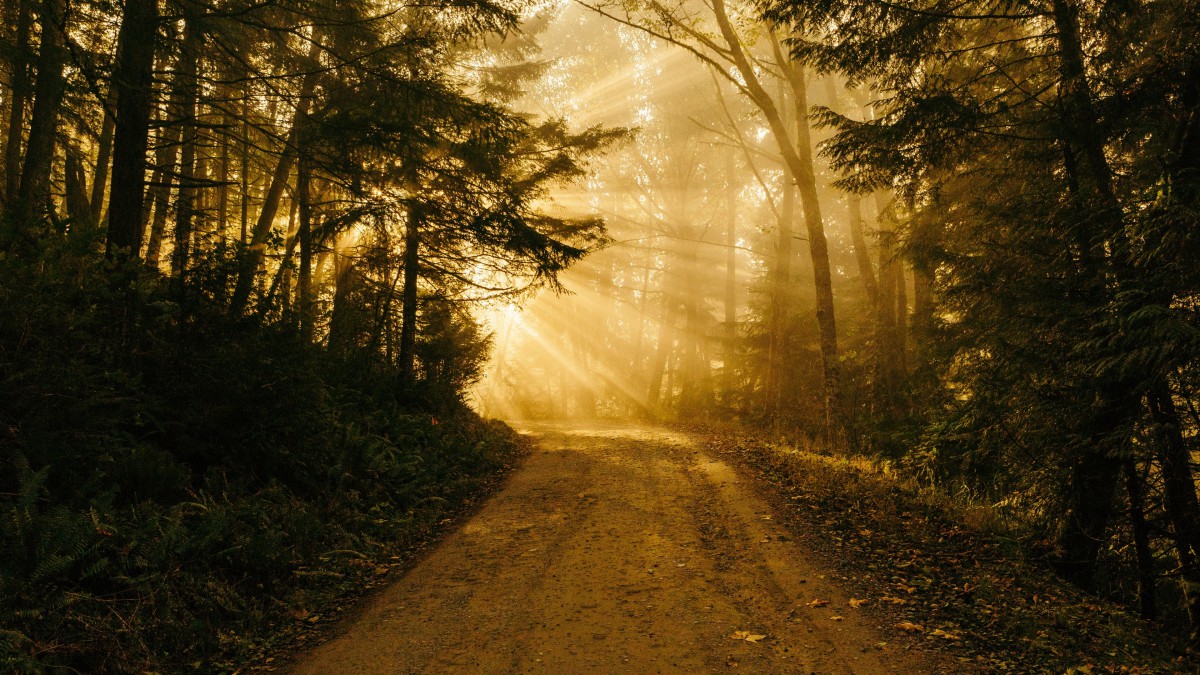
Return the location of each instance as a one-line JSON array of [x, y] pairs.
[[965, 591]]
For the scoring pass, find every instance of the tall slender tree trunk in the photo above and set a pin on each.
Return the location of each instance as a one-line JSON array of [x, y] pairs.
[[885, 311], [187, 115], [160, 192], [730, 350], [1089, 506], [304, 299], [339, 338], [797, 154], [822, 273], [1179, 486], [133, 81], [862, 251], [104, 153], [922, 315], [901, 319], [254, 253], [408, 294], [223, 180], [75, 187], [660, 361], [1134, 489], [22, 20], [1090, 493], [33, 196], [781, 284]]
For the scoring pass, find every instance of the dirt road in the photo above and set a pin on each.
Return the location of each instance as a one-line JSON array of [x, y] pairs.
[[614, 550]]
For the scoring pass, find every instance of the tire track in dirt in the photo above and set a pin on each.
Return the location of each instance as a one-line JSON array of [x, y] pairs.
[[614, 549]]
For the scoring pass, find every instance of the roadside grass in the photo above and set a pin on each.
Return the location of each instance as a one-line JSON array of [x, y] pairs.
[[958, 576]]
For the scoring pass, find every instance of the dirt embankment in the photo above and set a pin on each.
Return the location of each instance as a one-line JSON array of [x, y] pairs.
[[618, 549]]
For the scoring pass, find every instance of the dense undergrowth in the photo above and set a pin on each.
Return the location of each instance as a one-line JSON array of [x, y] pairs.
[[173, 483]]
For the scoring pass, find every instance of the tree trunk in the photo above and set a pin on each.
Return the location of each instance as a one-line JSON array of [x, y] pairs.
[[340, 328], [885, 311], [662, 350], [75, 186], [133, 81], [18, 97], [33, 196], [862, 252], [727, 372], [922, 315], [781, 283], [223, 181], [1089, 507], [408, 307], [304, 300], [1134, 488], [185, 197], [1081, 111], [254, 253], [104, 153], [244, 177], [1094, 471], [901, 367], [1179, 487], [798, 156]]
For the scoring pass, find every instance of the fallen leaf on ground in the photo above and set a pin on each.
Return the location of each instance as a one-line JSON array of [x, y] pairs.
[[910, 627], [938, 632], [856, 603], [893, 600], [746, 635], [837, 618], [817, 602]]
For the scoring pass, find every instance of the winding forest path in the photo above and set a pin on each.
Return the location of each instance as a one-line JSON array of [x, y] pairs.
[[615, 549]]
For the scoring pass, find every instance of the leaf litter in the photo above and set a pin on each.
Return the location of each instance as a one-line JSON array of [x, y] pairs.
[[994, 610]]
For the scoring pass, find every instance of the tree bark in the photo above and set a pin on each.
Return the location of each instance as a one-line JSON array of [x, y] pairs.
[[75, 186], [885, 310], [1081, 110], [186, 115], [133, 82], [1094, 471], [798, 156], [727, 372], [104, 154], [1134, 489], [223, 181], [254, 253], [33, 196], [408, 307], [1179, 486], [304, 300], [862, 252], [19, 97], [781, 282], [1089, 506]]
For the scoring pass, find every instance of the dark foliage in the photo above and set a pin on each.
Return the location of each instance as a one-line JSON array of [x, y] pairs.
[[167, 488]]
